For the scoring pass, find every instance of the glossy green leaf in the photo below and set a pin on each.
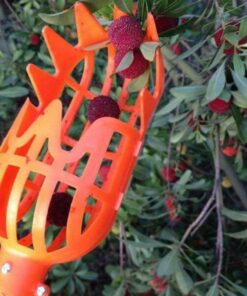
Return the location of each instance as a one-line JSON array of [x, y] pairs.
[[216, 84], [14, 92], [59, 284], [241, 82], [169, 264], [148, 49], [241, 124], [173, 104], [238, 235], [126, 61], [243, 28], [188, 92], [64, 18], [125, 5], [139, 82], [184, 281], [120, 291], [213, 290], [240, 216], [238, 65]]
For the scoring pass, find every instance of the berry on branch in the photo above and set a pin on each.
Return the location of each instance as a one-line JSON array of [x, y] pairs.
[[219, 106], [126, 33], [137, 67], [102, 106], [58, 211]]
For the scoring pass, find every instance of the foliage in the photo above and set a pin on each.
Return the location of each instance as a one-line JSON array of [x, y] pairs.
[[152, 249]]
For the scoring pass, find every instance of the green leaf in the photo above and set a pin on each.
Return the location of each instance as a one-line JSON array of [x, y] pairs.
[[88, 275], [180, 135], [241, 82], [148, 49], [216, 83], [125, 5], [59, 284], [241, 124], [139, 82], [60, 4], [169, 264], [174, 103], [240, 216], [239, 100], [213, 290], [60, 272], [238, 65], [188, 92], [121, 290], [184, 178], [126, 61], [96, 46], [238, 235], [64, 18], [218, 57], [14, 92], [93, 5], [184, 281], [243, 28]]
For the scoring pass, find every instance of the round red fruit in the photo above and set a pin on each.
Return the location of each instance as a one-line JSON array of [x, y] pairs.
[[176, 48], [168, 174], [35, 39], [230, 151], [102, 106], [219, 106], [126, 33], [103, 172], [137, 67], [219, 38], [164, 23], [58, 211]]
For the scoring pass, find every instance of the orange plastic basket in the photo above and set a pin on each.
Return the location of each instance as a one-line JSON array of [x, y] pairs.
[[38, 157]]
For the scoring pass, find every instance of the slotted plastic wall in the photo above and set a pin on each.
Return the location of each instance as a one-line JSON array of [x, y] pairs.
[[39, 157]]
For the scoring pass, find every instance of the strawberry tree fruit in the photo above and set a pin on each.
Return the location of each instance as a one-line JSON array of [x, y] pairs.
[[169, 174], [136, 68], [102, 106], [58, 211], [219, 106], [126, 33]]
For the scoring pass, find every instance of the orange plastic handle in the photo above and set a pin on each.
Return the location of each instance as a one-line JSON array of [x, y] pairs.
[[28, 178]]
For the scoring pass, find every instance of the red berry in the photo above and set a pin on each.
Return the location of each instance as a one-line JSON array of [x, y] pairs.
[[103, 172], [219, 106], [158, 284], [168, 174], [138, 66], [219, 38], [230, 151], [102, 106], [58, 211], [176, 48], [35, 39], [126, 33], [164, 23]]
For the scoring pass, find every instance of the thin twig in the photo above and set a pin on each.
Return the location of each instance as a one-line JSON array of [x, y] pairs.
[[203, 220], [199, 218], [220, 235]]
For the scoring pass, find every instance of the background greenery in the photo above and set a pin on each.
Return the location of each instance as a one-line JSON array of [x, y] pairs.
[[158, 245]]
